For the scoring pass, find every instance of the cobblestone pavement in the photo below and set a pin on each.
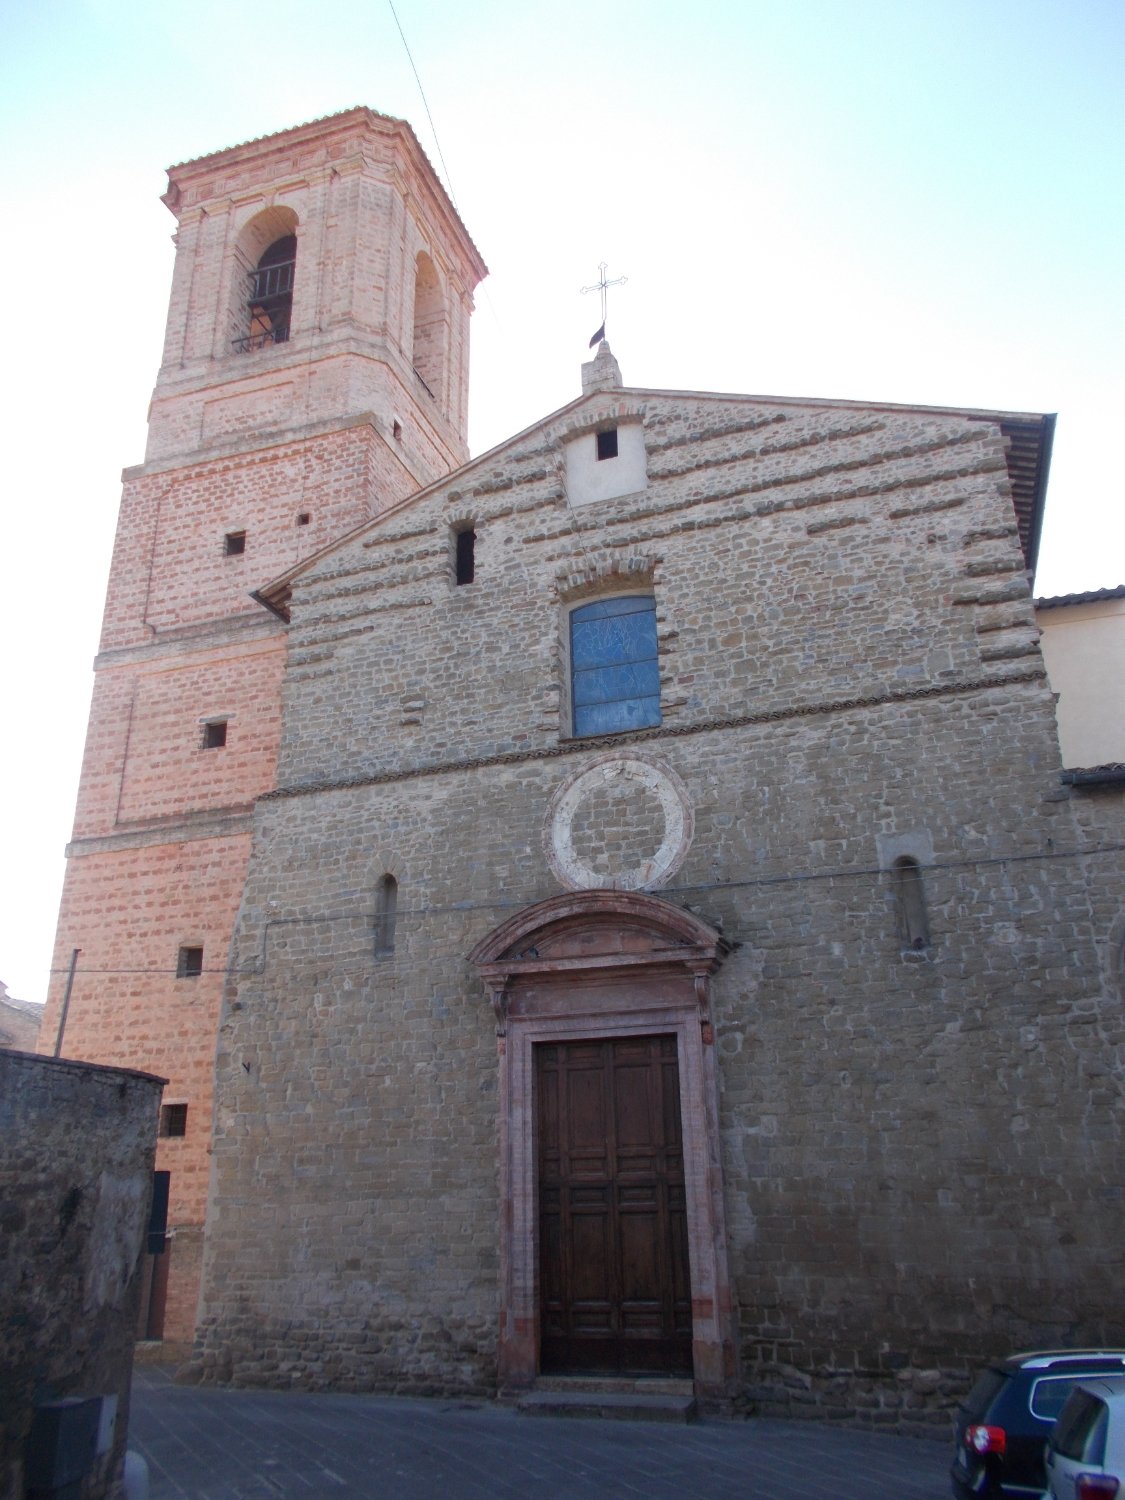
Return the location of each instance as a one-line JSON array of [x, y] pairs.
[[207, 1444]]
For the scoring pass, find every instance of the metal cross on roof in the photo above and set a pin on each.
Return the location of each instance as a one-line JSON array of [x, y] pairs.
[[600, 286]]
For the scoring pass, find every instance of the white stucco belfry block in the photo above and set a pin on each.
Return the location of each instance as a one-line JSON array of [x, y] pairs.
[[590, 478]]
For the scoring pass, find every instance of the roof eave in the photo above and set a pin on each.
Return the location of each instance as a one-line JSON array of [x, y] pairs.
[[1107, 775]]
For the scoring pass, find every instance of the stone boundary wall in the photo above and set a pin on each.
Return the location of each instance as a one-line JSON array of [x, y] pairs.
[[75, 1183]]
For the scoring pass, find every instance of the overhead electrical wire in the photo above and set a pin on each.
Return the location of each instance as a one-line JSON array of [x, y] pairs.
[[426, 106], [705, 888]]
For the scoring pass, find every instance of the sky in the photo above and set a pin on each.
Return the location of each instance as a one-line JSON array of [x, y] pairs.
[[896, 200]]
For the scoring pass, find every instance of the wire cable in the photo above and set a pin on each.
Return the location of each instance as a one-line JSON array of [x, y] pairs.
[[426, 106]]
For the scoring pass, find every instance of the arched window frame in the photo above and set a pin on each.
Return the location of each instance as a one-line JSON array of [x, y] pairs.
[[430, 331], [634, 711], [910, 902], [257, 237], [386, 916]]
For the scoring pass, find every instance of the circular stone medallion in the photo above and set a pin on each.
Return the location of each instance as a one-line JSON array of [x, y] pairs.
[[624, 823]]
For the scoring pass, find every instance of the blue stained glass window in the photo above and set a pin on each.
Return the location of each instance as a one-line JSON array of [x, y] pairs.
[[615, 681]]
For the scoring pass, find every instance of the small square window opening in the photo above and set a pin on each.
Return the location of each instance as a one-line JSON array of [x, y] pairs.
[[304, 518], [215, 734], [173, 1119], [607, 444], [189, 965], [234, 543], [466, 556]]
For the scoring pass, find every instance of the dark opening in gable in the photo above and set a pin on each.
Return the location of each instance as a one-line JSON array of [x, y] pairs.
[[607, 443]]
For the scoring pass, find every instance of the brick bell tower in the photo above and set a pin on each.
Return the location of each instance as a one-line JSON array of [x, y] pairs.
[[315, 371]]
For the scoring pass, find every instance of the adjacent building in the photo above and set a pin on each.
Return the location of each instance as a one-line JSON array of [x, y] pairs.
[[19, 1022], [1083, 643]]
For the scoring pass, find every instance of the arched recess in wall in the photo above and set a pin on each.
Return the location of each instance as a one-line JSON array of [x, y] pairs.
[[608, 645], [386, 914], [431, 328], [910, 897], [263, 280]]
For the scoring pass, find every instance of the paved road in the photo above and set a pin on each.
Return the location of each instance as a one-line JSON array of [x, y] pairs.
[[206, 1444]]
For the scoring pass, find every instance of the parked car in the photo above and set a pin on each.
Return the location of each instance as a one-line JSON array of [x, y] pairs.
[[1002, 1426], [1086, 1450]]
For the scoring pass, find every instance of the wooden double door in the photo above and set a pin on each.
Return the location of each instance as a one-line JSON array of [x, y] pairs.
[[614, 1283]]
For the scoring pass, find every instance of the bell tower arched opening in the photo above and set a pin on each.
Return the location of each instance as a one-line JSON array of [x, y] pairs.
[[431, 328], [270, 302], [263, 280]]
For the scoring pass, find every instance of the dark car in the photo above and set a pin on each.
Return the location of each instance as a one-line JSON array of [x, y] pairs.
[[1002, 1426]]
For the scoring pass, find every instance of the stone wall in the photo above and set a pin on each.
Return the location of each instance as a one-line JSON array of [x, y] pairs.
[[75, 1183], [130, 907], [918, 1147]]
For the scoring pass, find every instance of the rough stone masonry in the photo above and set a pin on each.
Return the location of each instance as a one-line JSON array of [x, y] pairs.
[[917, 1142]]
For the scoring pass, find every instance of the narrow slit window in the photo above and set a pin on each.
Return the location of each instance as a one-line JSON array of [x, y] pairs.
[[173, 1119], [189, 964], [215, 734], [607, 443], [914, 929], [234, 543], [386, 909], [158, 1223], [466, 555]]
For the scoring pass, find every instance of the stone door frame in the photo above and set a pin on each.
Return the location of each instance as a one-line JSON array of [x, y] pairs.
[[588, 965]]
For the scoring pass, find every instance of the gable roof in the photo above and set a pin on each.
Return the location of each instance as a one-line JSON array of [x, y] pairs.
[[1028, 437]]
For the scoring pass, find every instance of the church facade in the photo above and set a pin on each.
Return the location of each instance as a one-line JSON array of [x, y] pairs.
[[661, 941]]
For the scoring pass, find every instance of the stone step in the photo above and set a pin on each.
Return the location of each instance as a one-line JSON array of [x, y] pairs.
[[645, 1385], [593, 1398]]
